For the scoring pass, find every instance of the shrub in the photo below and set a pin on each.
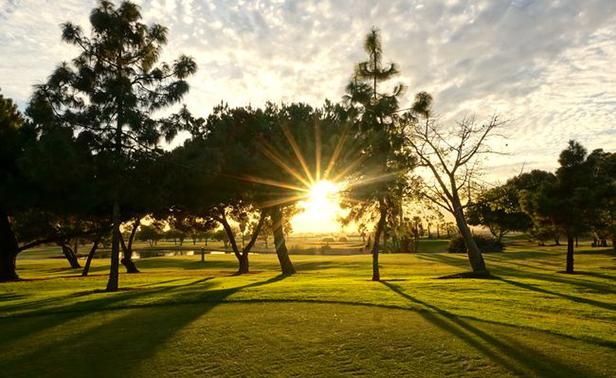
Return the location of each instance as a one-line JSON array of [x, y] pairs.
[[343, 239], [485, 244]]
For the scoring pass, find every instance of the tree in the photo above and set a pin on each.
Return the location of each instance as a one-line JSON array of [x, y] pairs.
[[377, 185], [221, 236], [110, 92], [451, 157], [499, 210], [527, 185], [567, 201], [47, 189], [150, 233], [224, 145], [603, 165], [11, 139], [240, 254]]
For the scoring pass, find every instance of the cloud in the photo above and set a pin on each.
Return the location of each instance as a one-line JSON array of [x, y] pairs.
[[544, 65]]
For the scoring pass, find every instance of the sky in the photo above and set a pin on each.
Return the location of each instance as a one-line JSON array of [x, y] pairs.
[[545, 66]]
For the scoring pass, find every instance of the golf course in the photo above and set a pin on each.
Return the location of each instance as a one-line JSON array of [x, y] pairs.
[[184, 317]]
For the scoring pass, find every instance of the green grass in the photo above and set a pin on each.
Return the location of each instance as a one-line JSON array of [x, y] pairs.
[[181, 317]]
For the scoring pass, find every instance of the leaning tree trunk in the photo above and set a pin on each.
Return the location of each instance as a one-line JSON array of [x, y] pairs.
[[112, 283], [8, 249], [86, 268], [570, 252], [127, 261], [475, 257], [70, 255], [286, 266], [376, 275]]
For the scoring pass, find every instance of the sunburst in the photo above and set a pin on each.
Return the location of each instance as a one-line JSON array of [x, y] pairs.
[[318, 192]]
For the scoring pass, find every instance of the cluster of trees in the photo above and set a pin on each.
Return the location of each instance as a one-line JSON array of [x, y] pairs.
[[579, 199], [84, 161]]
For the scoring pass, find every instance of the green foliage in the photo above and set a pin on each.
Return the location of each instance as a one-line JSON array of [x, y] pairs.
[[150, 233], [378, 181], [499, 210], [603, 165], [485, 244], [567, 201]]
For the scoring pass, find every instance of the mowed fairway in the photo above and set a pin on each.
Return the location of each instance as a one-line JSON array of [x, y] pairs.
[[183, 317]]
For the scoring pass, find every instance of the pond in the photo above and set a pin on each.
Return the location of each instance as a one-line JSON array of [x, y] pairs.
[[105, 254]]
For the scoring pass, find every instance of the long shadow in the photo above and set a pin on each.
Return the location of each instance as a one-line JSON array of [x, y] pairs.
[[511, 271], [525, 359], [41, 320], [597, 275], [143, 330], [607, 306]]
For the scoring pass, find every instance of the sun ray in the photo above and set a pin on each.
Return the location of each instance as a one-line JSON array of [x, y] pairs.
[[317, 150], [283, 200], [349, 167], [297, 152], [337, 150], [268, 152], [372, 179], [274, 183]]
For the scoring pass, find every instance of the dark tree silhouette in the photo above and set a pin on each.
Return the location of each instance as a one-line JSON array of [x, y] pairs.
[[110, 93], [11, 122]]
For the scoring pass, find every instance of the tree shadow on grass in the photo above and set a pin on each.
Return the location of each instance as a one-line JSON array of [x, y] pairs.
[[575, 280], [38, 320], [167, 318], [591, 302], [515, 357]]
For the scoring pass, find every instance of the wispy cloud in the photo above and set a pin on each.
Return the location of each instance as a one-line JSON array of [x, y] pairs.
[[545, 65]]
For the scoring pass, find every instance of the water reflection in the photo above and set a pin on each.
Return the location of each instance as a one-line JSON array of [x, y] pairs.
[[159, 253]]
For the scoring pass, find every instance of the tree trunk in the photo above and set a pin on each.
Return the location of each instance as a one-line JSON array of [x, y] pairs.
[[243, 260], [376, 275], [570, 252], [243, 257], [475, 257], [86, 268], [286, 266], [70, 255], [112, 283], [127, 261], [8, 249]]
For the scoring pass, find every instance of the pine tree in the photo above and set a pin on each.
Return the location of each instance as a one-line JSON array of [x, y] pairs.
[[379, 183], [109, 95]]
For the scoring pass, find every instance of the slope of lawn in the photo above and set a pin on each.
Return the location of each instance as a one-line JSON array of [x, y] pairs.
[[184, 317]]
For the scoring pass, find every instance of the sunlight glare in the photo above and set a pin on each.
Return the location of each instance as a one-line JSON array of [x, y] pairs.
[[320, 209]]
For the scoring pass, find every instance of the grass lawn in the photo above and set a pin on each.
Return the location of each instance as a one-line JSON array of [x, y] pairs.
[[182, 317]]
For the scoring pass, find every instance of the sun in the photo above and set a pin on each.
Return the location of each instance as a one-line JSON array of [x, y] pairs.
[[320, 208], [323, 193]]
